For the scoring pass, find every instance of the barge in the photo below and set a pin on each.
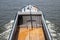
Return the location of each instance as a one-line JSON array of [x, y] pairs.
[[30, 25]]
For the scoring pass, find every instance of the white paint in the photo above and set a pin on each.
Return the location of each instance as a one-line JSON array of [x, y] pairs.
[[29, 8]]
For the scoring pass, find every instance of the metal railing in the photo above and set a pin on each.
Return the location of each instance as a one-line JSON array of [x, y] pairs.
[[49, 37], [13, 27]]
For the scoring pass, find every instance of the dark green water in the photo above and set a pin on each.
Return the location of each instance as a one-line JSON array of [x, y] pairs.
[[51, 9]]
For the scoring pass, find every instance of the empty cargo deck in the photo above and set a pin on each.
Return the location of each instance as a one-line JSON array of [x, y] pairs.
[[30, 31], [31, 34]]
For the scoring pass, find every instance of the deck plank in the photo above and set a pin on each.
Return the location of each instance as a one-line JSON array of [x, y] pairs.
[[31, 34]]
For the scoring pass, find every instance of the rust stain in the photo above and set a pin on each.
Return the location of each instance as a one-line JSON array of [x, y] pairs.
[[31, 34]]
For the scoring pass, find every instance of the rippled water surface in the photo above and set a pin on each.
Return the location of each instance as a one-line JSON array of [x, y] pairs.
[[51, 9]]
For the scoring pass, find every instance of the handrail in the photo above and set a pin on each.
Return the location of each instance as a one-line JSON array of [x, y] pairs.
[[47, 30], [11, 33]]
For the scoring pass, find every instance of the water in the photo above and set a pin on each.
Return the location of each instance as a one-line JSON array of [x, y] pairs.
[[51, 9]]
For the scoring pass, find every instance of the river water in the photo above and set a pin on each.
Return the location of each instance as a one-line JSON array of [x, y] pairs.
[[51, 9]]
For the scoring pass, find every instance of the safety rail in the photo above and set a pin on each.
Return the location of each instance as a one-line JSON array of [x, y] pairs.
[[13, 27], [46, 28]]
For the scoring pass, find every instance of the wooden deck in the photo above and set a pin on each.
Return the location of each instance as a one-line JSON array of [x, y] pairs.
[[31, 34]]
